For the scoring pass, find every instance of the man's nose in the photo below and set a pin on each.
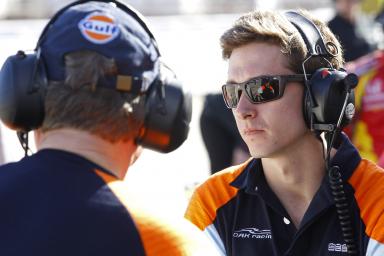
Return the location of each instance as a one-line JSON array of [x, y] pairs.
[[245, 108]]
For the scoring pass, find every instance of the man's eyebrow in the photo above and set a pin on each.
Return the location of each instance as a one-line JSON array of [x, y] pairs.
[[230, 81]]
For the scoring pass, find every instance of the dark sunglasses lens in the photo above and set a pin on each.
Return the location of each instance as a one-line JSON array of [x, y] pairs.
[[263, 89], [230, 95]]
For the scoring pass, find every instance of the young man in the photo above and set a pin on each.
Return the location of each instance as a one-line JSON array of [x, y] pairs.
[[68, 198], [281, 201]]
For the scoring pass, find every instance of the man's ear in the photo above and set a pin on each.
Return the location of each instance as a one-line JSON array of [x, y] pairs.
[[136, 154]]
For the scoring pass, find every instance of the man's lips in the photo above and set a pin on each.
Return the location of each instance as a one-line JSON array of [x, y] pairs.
[[252, 131]]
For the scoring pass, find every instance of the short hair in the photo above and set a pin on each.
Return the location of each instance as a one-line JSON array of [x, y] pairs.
[[272, 27], [79, 103]]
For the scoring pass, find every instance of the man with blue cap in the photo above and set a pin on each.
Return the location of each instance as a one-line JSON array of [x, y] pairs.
[[93, 92]]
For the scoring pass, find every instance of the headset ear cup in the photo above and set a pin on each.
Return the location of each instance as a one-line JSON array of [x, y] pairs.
[[180, 126], [328, 92], [21, 98], [169, 111]]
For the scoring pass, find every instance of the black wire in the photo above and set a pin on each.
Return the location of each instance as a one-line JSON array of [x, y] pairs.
[[23, 139], [339, 196]]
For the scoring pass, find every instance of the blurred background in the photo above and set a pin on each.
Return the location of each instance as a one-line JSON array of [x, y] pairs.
[[188, 34], [41, 9], [17, 9]]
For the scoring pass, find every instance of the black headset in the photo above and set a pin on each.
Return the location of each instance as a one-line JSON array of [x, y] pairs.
[[329, 96], [23, 81], [328, 107]]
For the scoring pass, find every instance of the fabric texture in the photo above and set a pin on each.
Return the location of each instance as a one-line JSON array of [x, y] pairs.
[[242, 215], [58, 203]]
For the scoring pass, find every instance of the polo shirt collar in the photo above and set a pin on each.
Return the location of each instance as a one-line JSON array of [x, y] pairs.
[[252, 180], [346, 157]]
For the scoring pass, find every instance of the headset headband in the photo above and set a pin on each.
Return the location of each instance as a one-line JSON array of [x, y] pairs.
[[310, 33]]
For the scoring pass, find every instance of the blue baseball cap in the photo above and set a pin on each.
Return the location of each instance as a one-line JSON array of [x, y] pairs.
[[104, 28]]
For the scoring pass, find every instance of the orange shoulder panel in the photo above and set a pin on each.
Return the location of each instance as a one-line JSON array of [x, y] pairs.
[[159, 236], [211, 195], [171, 237], [368, 182]]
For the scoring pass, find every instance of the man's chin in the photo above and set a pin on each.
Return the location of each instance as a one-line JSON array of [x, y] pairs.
[[258, 154]]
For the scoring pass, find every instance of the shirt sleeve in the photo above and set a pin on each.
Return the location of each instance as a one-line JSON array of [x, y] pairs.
[[375, 248], [162, 237], [207, 198], [200, 216], [367, 182]]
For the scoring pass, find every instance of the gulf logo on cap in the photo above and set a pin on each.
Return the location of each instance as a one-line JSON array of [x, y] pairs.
[[99, 28]]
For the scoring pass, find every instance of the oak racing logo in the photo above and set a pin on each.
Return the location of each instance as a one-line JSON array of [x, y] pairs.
[[253, 233]]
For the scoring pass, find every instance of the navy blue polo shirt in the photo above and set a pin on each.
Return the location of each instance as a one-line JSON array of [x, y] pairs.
[[238, 210], [58, 203]]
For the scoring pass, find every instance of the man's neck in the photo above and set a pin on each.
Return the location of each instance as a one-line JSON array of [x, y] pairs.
[[115, 157], [295, 174]]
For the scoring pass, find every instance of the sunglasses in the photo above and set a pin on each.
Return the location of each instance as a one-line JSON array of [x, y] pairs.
[[259, 89]]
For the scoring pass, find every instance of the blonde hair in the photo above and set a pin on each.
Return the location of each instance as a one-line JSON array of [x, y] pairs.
[[273, 27]]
